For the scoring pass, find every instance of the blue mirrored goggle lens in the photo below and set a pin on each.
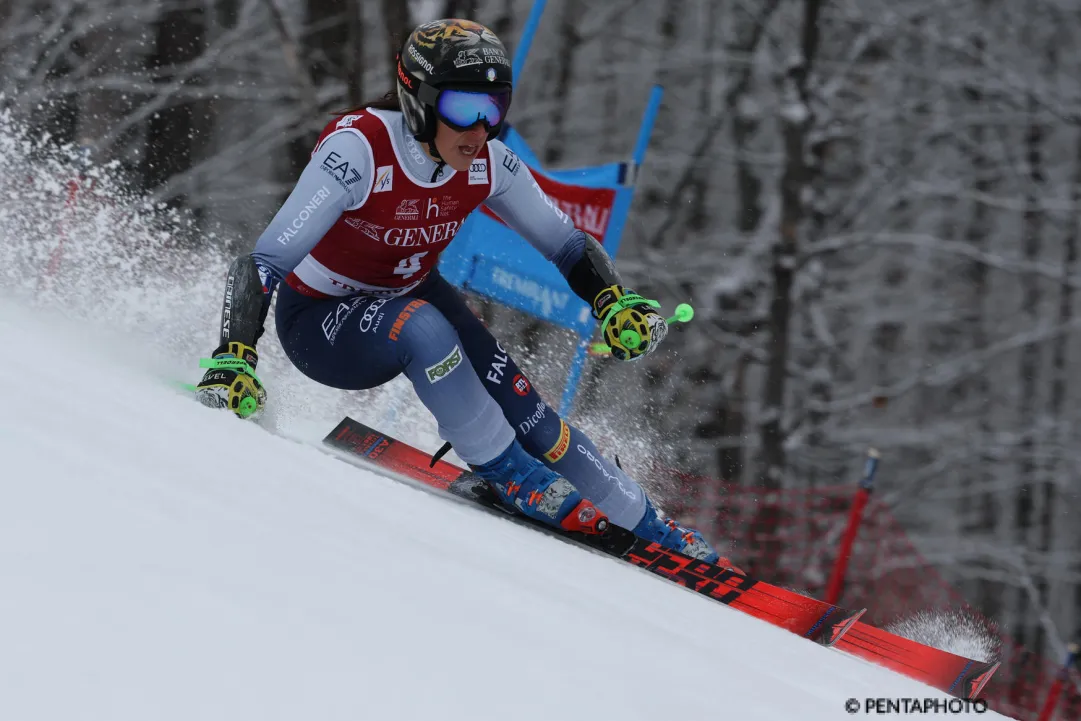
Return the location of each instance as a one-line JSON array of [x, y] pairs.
[[464, 109]]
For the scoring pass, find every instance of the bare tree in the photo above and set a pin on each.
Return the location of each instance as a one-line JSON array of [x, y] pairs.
[[797, 120], [397, 22], [176, 131], [460, 9]]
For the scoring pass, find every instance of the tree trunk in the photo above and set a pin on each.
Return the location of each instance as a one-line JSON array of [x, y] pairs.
[[745, 123], [177, 130], [1053, 537], [101, 109], [569, 40], [398, 23], [729, 412], [353, 63], [734, 423], [1029, 364], [504, 22], [984, 521], [796, 122], [465, 9], [334, 46], [330, 52]]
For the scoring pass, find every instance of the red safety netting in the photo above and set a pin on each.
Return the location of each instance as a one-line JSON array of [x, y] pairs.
[[791, 538]]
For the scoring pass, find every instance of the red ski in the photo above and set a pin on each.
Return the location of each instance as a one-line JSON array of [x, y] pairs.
[[953, 674], [813, 619]]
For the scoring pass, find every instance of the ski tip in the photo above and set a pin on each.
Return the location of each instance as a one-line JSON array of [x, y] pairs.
[[973, 679], [834, 625]]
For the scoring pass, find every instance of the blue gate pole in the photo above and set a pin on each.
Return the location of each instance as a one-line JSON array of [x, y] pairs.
[[575, 375], [649, 119], [526, 40]]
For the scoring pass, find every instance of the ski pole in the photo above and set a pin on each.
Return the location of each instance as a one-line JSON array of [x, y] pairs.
[[631, 338]]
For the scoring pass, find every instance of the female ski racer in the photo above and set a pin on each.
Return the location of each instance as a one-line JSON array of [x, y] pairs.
[[353, 253]]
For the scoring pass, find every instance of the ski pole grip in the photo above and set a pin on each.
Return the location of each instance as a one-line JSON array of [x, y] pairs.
[[630, 338], [247, 407]]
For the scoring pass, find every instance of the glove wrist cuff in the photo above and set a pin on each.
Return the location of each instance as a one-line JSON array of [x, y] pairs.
[[239, 350], [615, 298]]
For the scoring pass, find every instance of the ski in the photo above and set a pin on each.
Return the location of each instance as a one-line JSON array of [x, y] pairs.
[[947, 672], [810, 618]]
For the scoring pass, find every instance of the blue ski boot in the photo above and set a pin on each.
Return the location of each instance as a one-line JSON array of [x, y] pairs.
[[524, 483], [671, 535]]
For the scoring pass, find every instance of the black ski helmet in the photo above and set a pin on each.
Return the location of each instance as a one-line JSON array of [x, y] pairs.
[[451, 53]]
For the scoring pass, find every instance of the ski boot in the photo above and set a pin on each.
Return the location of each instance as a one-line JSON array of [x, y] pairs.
[[671, 535], [527, 485]]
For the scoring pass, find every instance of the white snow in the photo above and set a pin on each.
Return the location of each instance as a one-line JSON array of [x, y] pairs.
[[160, 561]]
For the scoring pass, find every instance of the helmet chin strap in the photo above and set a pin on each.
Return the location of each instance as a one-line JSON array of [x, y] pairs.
[[437, 171], [438, 158]]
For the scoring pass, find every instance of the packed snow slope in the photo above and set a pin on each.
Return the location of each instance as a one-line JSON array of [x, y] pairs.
[[162, 561]]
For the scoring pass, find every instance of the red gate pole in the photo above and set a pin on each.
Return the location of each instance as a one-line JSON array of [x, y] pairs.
[[855, 517], [61, 230], [1060, 680]]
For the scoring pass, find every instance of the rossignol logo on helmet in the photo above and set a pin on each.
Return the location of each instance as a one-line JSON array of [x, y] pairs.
[[415, 54], [444, 367], [404, 77]]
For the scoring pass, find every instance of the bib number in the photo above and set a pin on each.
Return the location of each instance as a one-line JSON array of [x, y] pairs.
[[409, 266]]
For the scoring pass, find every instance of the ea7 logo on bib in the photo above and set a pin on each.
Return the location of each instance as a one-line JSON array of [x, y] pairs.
[[444, 367], [478, 171]]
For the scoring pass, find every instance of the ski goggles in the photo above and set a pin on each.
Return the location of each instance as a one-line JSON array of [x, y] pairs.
[[462, 109]]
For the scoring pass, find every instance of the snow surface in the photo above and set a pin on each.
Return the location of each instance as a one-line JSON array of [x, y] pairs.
[[162, 561]]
